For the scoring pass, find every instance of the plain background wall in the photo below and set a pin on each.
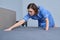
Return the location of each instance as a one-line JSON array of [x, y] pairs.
[[20, 7], [15, 5]]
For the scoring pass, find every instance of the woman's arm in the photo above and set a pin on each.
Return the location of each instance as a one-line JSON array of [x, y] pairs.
[[15, 25], [47, 23]]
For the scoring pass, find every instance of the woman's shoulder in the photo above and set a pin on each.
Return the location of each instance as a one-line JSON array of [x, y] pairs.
[[41, 8]]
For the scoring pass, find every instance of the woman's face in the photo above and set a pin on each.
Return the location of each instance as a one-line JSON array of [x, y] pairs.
[[31, 11]]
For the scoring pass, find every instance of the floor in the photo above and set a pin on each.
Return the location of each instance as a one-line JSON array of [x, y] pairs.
[[31, 33]]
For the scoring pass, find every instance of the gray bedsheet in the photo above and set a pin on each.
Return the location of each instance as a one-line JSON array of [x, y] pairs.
[[30, 33]]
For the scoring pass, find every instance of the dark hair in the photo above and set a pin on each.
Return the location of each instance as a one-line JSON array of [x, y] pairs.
[[34, 7]]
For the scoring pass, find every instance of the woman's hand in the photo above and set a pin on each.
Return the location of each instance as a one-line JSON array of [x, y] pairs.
[[15, 25], [8, 29], [47, 24], [46, 29]]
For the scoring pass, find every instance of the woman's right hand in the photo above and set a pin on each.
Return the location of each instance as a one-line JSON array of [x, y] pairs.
[[15, 25], [8, 29]]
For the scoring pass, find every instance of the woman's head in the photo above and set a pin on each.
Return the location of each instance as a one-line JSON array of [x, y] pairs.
[[32, 9]]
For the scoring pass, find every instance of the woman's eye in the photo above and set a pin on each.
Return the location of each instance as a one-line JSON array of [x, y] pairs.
[[29, 11]]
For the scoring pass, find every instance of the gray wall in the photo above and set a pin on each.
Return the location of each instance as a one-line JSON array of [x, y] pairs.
[[20, 7], [15, 5]]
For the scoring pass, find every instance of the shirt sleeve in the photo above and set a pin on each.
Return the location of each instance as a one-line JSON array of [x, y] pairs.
[[26, 17], [45, 13]]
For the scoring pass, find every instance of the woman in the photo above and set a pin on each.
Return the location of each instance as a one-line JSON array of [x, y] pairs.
[[44, 17]]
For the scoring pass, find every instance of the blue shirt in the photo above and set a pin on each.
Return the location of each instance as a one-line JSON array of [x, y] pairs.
[[41, 16]]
